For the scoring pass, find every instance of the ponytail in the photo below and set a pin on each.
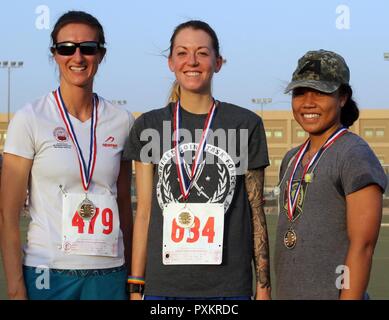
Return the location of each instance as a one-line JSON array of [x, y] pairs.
[[349, 112], [175, 92]]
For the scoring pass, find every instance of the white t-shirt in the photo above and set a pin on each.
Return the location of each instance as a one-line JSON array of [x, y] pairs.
[[38, 132]]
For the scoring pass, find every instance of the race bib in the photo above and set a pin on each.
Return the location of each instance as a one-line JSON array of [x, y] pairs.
[[97, 236], [194, 235]]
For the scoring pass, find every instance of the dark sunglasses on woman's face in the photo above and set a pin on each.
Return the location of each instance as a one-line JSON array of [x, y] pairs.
[[68, 48]]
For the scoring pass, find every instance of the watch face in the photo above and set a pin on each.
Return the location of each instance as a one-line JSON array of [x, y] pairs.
[[135, 288]]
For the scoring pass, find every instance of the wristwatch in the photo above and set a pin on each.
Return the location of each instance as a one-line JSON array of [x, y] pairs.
[[135, 288]]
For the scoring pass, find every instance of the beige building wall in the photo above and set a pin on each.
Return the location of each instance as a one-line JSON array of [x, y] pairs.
[[3, 130], [284, 133]]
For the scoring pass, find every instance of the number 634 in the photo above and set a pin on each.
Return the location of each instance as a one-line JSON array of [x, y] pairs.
[[207, 231]]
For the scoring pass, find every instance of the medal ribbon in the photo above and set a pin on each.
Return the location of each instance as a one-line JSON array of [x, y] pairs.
[[292, 201], [86, 172], [184, 181]]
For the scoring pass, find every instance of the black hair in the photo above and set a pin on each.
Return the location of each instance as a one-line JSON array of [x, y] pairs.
[[196, 25], [349, 112], [78, 17]]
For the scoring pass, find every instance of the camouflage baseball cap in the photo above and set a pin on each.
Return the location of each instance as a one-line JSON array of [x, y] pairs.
[[321, 70]]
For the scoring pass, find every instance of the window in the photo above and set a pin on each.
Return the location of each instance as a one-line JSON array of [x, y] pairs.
[[300, 133], [380, 133], [278, 134], [277, 162], [369, 133], [268, 134]]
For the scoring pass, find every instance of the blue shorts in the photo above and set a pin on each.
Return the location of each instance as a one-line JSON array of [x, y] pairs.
[[56, 284]]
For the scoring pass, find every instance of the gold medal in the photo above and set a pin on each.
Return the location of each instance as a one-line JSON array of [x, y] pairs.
[[86, 209], [308, 177], [290, 238], [185, 219]]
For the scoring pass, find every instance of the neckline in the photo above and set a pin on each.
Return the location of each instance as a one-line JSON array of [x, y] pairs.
[[191, 114], [75, 119]]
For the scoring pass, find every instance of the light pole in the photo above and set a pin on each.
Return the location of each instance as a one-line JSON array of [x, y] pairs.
[[10, 65], [262, 102]]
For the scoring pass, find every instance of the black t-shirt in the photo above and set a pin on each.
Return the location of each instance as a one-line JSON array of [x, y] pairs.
[[237, 143]]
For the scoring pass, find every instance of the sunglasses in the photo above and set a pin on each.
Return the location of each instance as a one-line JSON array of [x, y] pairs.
[[68, 48]]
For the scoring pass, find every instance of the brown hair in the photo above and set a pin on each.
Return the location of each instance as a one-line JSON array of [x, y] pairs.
[[78, 17], [195, 25]]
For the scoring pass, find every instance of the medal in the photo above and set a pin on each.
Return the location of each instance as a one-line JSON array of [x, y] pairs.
[[185, 219], [86, 208], [186, 181], [292, 200], [290, 238], [308, 177]]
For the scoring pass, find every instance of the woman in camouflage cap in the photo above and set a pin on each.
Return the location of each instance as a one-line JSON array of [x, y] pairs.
[[330, 190]]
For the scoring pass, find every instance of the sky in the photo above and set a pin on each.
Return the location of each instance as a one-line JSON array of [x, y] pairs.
[[261, 41]]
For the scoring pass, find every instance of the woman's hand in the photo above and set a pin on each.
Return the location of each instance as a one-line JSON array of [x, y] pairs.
[[135, 296]]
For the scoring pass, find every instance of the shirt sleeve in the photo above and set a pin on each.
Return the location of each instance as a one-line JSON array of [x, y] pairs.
[[257, 147], [360, 169], [134, 144], [131, 120], [20, 139]]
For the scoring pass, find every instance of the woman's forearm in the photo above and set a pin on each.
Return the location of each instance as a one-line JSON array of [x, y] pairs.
[[12, 259], [357, 274], [139, 246]]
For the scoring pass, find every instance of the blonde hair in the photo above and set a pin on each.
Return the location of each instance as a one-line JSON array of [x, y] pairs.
[[175, 92]]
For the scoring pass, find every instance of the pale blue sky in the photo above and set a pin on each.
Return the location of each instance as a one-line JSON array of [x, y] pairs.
[[261, 40]]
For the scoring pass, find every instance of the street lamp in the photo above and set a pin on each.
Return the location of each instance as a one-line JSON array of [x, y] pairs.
[[262, 102], [10, 65]]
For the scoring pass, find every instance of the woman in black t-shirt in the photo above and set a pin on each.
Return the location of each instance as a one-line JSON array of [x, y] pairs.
[[199, 222]]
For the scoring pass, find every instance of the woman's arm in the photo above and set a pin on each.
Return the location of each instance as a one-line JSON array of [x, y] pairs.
[[14, 181], [254, 180], [125, 209], [364, 212], [144, 191]]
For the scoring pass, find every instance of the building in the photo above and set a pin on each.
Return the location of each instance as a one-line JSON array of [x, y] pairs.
[[284, 133], [3, 130]]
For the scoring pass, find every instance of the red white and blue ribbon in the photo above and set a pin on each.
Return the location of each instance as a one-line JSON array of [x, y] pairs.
[[186, 182], [86, 169], [292, 200]]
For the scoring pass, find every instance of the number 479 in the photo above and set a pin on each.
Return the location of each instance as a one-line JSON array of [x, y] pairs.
[[106, 220]]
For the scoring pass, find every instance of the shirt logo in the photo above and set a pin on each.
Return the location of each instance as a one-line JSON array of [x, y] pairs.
[[211, 184], [62, 138], [110, 143], [60, 134]]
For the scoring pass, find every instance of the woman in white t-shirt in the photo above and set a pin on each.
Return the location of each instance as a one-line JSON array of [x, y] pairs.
[[66, 150]]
